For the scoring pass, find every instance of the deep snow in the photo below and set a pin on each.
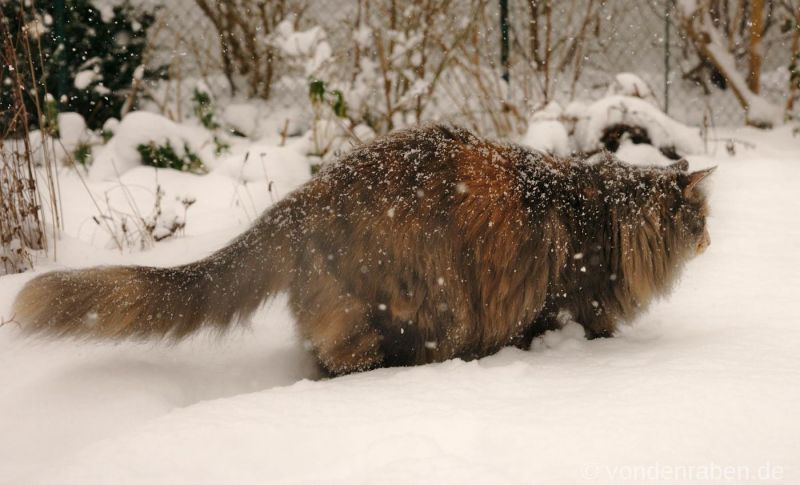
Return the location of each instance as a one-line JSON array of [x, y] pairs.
[[706, 380]]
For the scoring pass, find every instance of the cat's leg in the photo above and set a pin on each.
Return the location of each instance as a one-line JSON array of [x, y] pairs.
[[600, 328], [341, 338], [336, 327], [596, 321], [546, 320]]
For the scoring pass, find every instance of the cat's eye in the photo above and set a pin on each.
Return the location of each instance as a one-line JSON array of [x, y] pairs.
[[697, 226]]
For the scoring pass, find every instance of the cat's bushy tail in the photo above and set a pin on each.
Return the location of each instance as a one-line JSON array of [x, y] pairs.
[[118, 302]]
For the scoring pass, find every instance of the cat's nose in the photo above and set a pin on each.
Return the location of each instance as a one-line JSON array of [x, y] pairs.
[[704, 243]]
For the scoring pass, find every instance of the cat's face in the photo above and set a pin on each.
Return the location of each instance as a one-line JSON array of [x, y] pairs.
[[690, 209], [693, 214]]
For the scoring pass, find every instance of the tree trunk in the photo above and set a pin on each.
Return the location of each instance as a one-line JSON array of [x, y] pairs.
[[794, 68], [710, 45], [533, 33], [754, 47]]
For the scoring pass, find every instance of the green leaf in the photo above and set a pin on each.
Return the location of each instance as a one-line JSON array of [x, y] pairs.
[[164, 156], [339, 106], [316, 90]]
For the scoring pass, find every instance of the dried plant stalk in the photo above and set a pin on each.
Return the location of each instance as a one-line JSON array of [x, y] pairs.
[[22, 225]]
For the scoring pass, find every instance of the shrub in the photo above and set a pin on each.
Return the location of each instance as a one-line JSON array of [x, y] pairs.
[[165, 156], [84, 57], [203, 108]]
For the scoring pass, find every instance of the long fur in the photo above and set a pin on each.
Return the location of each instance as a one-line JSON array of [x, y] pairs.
[[117, 302], [422, 246]]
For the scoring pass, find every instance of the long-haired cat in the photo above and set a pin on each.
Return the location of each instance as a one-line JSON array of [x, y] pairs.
[[425, 245]]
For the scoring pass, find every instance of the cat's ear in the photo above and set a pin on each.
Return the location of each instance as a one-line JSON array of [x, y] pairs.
[[681, 165], [695, 178]]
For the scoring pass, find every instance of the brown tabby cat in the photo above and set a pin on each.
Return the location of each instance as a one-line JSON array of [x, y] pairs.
[[422, 246]]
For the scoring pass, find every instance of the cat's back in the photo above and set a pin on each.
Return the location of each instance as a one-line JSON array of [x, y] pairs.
[[408, 158], [432, 167]]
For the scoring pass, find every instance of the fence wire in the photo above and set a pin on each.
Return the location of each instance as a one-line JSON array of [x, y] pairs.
[[638, 37]]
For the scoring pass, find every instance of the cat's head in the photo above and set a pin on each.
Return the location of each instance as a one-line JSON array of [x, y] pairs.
[[688, 207], [657, 223]]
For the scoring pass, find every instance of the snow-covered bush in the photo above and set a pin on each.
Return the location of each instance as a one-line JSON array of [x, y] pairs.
[[389, 67], [205, 112], [609, 119], [165, 156], [22, 225], [627, 115], [88, 60], [307, 51], [147, 138], [127, 227], [75, 142], [402, 58], [242, 118], [329, 122], [246, 30]]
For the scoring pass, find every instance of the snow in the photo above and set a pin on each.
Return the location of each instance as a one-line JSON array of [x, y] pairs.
[[329, 135], [285, 166], [309, 45], [138, 73], [241, 116], [762, 112], [706, 379], [106, 13], [84, 78], [546, 132], [111, 125], [641, 154], [629, 84], [759, 110], [687, 7], [72, 130]]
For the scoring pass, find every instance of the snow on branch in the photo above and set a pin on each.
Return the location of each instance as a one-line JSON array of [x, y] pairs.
[[710, 44]]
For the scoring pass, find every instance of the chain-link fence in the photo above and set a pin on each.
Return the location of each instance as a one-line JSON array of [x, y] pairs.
[[643, 38], [185, 39], [646, 38]]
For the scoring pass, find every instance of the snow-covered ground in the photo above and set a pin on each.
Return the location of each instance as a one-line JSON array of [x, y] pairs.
[[704, 387]]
